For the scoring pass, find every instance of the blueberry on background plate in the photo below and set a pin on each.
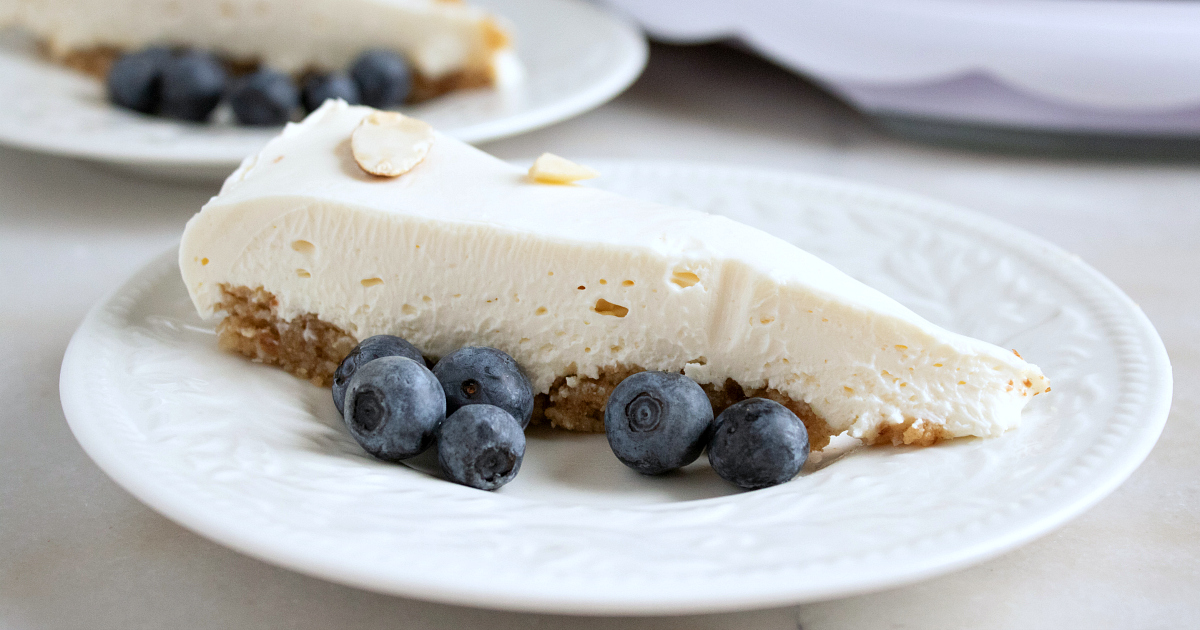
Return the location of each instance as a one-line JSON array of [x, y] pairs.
[[366, 351], [758, 443], [657, 421], [394, 406], [481, 446], [264, 98], [192, 85], [135, 79], [485, 376], [322, 87], [382, 76]]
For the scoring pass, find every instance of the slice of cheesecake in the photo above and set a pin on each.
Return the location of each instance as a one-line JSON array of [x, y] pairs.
[[303, 252], [449, 44]]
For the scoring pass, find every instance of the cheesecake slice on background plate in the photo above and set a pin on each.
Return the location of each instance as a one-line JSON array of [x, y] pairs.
[[450, 45]]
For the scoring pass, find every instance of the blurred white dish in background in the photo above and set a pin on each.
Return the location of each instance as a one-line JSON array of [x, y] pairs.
[[1080, 66], [574, 56]]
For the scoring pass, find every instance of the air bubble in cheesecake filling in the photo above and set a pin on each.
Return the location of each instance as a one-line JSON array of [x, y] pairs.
[[685, 279], [371, 282], [604, 307], [540, 311], [303, 273], [303, 246]]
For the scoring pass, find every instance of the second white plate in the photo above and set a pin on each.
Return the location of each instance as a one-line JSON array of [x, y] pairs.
[[258, 460], [575, 57]]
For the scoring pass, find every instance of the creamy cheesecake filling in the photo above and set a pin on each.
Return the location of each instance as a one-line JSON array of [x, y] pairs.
[[574, 282], [450, 45]]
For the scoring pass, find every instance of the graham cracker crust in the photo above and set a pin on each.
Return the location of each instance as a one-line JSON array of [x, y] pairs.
[[305, 346], [312, 349], [97, 61], [911, 433], [424, 88], [577, 403]]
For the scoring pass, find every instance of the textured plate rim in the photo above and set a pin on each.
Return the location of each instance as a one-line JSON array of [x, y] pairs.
[[1138, 332]]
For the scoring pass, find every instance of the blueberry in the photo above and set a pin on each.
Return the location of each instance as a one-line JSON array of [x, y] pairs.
[[758, 443], [264, 98], [135, 79], [322, 87], [481, 446], [192, 85], [485, 376], [368, 350], [657, 421], [383, 77], [394, 406]]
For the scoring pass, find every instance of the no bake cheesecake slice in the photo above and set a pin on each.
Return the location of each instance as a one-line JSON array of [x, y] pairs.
[[303, 253], [450, 45]]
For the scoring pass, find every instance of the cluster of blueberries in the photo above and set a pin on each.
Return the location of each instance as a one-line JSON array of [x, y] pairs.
[[476, 402], [189, 84]]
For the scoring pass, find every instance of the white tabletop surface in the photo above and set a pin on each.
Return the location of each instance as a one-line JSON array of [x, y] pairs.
[[76, 551]]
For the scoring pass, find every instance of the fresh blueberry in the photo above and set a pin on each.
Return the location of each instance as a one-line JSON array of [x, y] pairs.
[[264, 98], [481, 446], [135, 79], [192, 85], [322, 87], [657, 421], [366, 351], [758, 443], [394, 406], [485, 376], [383, 77]]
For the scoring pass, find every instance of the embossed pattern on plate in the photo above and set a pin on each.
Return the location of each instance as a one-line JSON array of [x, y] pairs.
[[257, 460], [575, 57]]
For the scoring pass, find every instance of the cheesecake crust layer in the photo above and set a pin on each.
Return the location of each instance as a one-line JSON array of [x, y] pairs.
[[311, 349], [304, 346]]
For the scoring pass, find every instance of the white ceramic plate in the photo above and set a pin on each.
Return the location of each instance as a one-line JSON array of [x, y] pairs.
[[575, 57], [259, 461]]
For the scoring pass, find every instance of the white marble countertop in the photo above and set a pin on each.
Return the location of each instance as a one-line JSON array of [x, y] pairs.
[[76, 551]]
